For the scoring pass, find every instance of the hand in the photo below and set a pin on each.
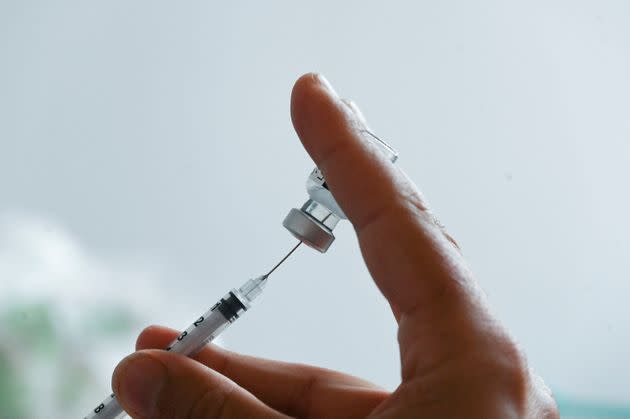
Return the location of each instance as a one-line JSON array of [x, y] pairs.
[[457, 361]]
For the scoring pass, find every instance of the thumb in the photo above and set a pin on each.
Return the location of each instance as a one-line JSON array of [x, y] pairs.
[[158, 384]]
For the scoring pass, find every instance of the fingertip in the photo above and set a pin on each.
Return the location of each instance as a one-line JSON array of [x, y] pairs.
[[320, 118], [137, 381], [310, 82], [311, 95], [307, 97], [154, 336], [146, 336]]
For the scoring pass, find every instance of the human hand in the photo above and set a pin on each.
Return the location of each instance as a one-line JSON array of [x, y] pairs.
[[457, 361]]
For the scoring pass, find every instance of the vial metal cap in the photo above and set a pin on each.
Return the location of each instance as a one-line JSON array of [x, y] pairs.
[[312, 224]]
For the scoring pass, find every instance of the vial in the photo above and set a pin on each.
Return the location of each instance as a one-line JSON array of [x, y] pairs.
[[314, 222]]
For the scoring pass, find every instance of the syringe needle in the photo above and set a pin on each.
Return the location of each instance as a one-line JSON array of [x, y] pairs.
[[283, 259]]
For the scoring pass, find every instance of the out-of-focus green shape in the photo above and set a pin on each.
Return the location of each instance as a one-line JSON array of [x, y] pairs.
[[579, 409], [30, 331], [106, 323], [32, 326], [71, 384], [109, 321], [12, 390]]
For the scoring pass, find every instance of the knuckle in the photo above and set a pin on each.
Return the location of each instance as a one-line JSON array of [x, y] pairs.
[[212, 403], [300, 401], [223, 365], [332, 155], [406, 204], [511, 375]]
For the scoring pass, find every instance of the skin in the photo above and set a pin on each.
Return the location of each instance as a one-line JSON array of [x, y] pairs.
[[457, 360]]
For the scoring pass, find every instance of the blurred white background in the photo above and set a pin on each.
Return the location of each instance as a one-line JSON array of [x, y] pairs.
[[157, 136]]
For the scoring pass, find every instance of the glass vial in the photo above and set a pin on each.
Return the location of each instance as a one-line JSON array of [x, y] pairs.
[[313, 223]]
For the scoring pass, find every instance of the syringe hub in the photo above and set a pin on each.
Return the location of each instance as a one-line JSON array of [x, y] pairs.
[[252, 288]]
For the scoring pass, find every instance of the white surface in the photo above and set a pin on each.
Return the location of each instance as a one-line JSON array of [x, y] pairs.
[[149, 130]]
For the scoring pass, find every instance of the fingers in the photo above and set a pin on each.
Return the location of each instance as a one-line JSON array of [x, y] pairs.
[[159, 384], [296, 390], [411, 260]]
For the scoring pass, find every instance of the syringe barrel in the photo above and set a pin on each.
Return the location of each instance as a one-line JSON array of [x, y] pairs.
[[206, 328], [209, 325]]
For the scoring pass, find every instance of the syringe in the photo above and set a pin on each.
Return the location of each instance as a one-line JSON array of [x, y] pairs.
[[207, 327]]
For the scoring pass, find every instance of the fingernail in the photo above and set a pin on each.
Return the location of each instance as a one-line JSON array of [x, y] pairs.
[[324, 82], [138, 380]]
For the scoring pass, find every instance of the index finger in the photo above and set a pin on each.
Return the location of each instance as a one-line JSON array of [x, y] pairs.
[[407, 253]]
